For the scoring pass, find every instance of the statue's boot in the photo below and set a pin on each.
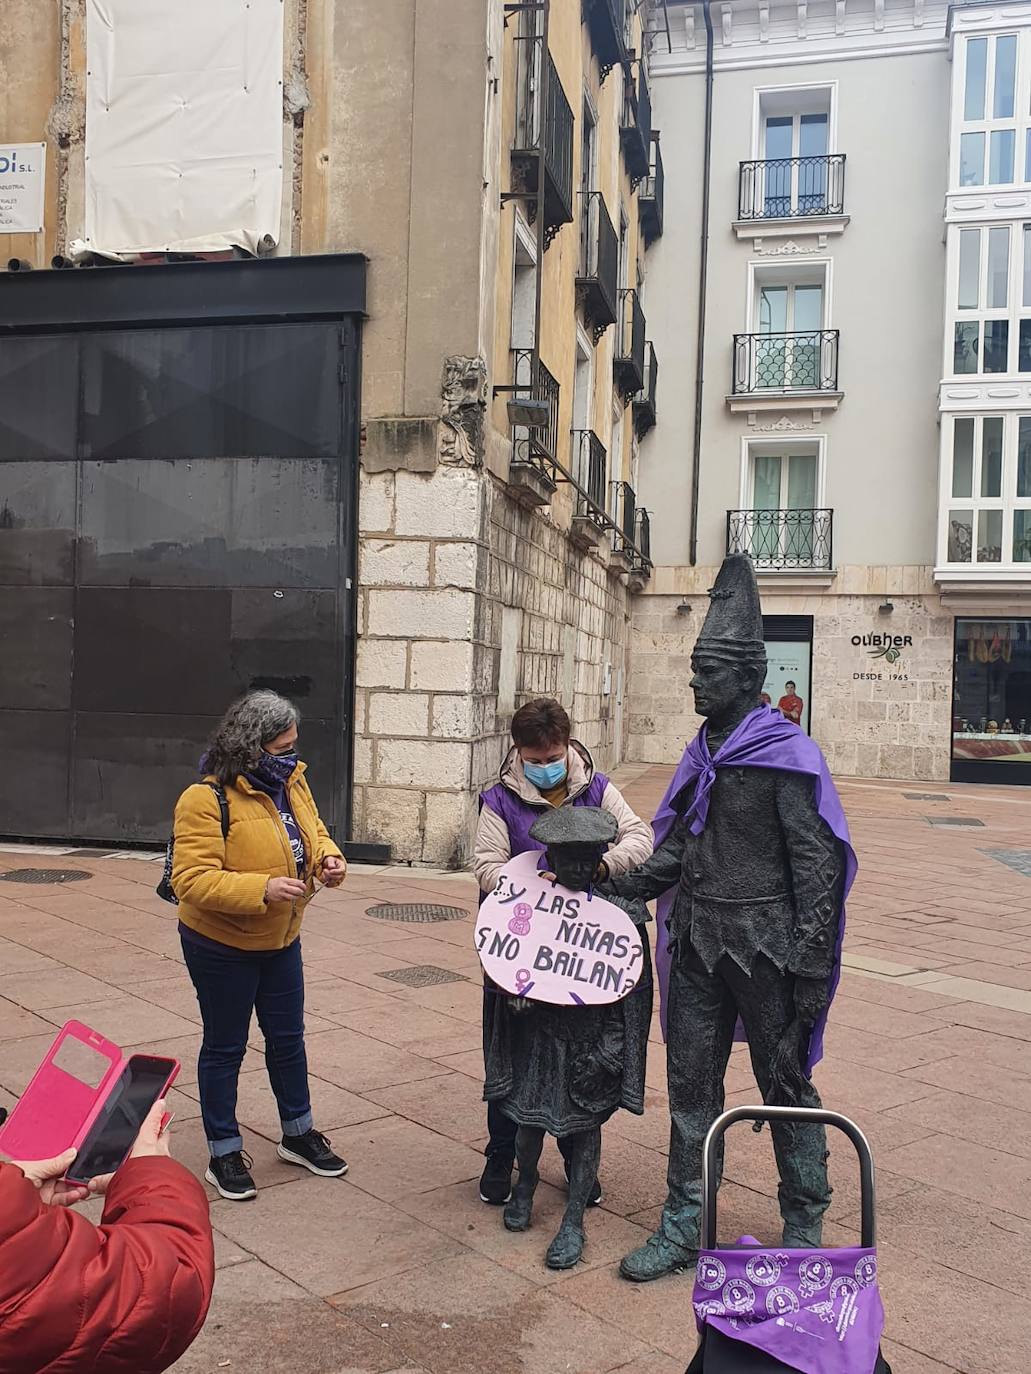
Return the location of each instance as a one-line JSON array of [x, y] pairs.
[[520, 1209], [656, 1258], [803, 1233], [567, 1248]]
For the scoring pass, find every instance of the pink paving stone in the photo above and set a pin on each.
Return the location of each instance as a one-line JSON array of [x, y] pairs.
[[983, 1123], [391, 1154], [496, 1322], [969, 1171], [974, 1078], [452, 1105]]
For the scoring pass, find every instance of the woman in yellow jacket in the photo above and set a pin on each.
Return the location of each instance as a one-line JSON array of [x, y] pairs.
[[241, 900]]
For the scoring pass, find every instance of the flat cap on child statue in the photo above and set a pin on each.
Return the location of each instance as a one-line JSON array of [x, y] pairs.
[[751, 869], [564, 1070]]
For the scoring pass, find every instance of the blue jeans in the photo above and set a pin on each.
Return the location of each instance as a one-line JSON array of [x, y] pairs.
[[230, 987]]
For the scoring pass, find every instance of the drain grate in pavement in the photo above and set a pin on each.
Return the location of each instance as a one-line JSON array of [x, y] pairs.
[[969, 821], [926, 796], [1017, 859], [424, 976], [45, 875], [416, 912]]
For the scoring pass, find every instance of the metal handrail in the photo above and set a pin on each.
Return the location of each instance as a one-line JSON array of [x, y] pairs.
[[792, 187]]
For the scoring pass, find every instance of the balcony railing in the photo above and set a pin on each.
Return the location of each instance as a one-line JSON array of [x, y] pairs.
[[628, 364], [598, 271], [644, 540], [608, 21], [635, 131], [589, 459], [783, 540], [792, 188], [535, 445], [544, 128], [652, 195], [644, 401], [786, 362]]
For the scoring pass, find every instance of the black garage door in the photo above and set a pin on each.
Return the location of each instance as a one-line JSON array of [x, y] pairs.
[[177, 524]]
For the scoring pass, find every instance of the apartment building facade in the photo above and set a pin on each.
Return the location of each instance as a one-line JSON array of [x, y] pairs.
[[862, 406], [339, 306]]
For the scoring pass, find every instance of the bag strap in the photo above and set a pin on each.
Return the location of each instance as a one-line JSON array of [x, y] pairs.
[[223, 806]]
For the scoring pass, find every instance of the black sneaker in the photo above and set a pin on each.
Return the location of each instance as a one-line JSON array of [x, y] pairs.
[[596, 1194], [230, 1176], [312, 1151], [496, 1181]]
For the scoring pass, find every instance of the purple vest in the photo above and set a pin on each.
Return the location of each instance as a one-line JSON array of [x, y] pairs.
[[519, 816]]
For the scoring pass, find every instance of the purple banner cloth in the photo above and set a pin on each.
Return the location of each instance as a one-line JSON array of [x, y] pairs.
[[764, 739], [818, 1311]]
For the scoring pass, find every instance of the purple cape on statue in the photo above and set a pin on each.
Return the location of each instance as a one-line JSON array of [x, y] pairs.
[[764, 739]]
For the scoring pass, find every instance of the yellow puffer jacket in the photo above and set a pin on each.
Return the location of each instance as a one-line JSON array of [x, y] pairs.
[[221, 883]]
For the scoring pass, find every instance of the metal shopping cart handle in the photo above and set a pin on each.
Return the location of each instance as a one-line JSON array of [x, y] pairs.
[[801, 1116]]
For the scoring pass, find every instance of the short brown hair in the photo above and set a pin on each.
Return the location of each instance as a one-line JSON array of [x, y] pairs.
[[540, 722]]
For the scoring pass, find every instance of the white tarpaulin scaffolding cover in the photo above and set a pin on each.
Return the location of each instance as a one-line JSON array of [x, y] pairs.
[[184, 124]]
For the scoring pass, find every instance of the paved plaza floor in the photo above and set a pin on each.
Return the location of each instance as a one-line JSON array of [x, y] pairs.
[[400, 1267]]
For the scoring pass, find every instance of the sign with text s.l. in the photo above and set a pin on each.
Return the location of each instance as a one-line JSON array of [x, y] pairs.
[[22, 187], [541, 941]]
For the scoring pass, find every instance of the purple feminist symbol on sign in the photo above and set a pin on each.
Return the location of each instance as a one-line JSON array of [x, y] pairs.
[[520, 922], [523, 982]]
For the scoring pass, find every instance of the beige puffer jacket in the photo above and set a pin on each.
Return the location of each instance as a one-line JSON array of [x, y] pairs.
[[634, 841]]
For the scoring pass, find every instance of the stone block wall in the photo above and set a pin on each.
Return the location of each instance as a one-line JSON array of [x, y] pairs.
[[464, 594], [871, 718]]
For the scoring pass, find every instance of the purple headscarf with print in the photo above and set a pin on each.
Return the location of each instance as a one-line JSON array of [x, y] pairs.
[[819, 1312], [764, 739]]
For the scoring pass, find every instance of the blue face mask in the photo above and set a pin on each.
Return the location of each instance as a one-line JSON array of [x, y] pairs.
[[276, 768], [545, 776]]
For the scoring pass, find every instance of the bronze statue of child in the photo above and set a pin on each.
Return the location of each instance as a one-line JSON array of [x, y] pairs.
[[563, 1071]]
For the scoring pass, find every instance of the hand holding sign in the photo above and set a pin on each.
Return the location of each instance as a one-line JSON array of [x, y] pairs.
[[541, 941]]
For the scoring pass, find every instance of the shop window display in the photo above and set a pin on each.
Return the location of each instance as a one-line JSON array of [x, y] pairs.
[[991, 722]]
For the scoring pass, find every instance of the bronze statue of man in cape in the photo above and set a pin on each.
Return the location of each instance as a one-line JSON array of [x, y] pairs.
[[752, 866]]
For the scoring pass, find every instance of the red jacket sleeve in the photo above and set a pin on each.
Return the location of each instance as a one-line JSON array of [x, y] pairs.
[[127, 1297]]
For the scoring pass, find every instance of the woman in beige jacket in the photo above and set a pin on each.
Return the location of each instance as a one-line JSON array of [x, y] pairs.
[[545, 768]]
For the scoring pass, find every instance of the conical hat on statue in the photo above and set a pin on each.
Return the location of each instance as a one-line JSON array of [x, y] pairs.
[[733, 627]]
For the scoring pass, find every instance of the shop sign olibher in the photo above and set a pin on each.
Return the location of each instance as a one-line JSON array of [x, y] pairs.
[[886, 647]]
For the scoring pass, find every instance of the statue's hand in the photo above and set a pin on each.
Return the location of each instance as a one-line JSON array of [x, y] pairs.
[[520, 1005], [811, 998]]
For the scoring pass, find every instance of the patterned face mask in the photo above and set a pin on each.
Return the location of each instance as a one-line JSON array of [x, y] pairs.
[[276, 768]]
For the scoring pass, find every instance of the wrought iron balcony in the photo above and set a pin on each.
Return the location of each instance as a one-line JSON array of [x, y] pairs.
[[628, 364], [783, 540], [607, 21], [644, 401], [651, 196], [635, 131], [544, 130], [536, 445], [589, 459], [598, 271], [786, 363], [792, 188], [644, 541]]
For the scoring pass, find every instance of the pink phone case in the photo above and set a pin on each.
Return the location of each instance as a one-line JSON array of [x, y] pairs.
[[57, 1109]]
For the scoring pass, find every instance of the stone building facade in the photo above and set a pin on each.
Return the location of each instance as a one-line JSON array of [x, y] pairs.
[[490, 163], [861, 420]]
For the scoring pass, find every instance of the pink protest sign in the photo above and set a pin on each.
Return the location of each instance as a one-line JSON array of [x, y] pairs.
[[541, 941]]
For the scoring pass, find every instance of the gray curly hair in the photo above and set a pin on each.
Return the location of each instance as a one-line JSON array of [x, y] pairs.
[[250, 723]]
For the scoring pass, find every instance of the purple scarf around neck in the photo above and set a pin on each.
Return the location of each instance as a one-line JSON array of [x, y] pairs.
[[764, 739]]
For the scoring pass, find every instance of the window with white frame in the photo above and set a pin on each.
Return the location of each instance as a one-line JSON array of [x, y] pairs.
[[782, 524], [792, 143], [987, 490], [994, 133], [991, 296]]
